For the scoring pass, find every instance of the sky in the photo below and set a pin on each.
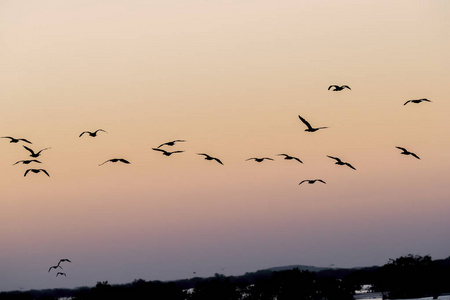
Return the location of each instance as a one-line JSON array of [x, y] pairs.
[[230, 78]]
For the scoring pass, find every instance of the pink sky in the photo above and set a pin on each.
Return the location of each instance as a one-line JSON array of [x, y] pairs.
[[229, 77]]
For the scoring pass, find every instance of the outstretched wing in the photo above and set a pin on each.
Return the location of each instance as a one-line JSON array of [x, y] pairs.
[[336, 158], [18, 162], [350, 166], [25, 140], [99, 130], [218, 160], [267, 158], [403, 149], [407, 102], [251, 158], [346, 86], [179, 151], [104, 162], [26, 172], [161, 145], [321, 180], [32, 152], [413, 154], [44, 172], [303, 181], [83, 133], [305, 122], [124, 161], [297, 159], [161, 150], [7, 137], [332, 86]]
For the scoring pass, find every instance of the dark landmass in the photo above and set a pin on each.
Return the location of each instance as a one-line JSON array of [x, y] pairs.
[[410, 276]]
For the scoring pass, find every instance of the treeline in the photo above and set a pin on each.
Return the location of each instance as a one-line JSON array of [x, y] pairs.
[[409, 276]]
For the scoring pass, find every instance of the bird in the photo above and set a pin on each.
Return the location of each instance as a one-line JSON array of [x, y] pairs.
[[55, 267], [259, 159], [338, 88], [310, 128], [288, 157], [311, 181], [92, 134], [167, 153], [170, 143], [341, 163], [406, 152], [61, 273], [116, 160], [35, 171], [33, 154], [26, 162], [208, 157], [13, 140], [417, 101], [63, 260]]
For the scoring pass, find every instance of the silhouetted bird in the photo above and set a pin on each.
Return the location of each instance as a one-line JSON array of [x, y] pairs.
[[93, 134], [258, 159], [26, 162], [311, 181], [55, 267], [341, 163], [35, 171], [208, 157], [406, 152], [13, 140], [310, 128], [61, 273], [63, 260], [338, 88], [288, 157], [417, 101], [116, 160], [171, 143], [33, 154], [166, 153]]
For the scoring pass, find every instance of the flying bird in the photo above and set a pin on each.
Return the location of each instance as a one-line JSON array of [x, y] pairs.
[[341, 163], [310, 128], [63, 260], [208, 157], [338, 88], [288, 157], [55, 267], [259, 159], [417, 101], [167, 153], [13, 140], [33, 154], [35, 171], [311, 181], [116, 160], [61, 273], [93, 134], [406, 152], [26, 162], [171, 143]]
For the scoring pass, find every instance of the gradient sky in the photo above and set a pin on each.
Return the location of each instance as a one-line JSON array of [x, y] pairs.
[[230, 77]]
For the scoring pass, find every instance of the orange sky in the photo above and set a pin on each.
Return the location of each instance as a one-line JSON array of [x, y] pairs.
[[230, 77]]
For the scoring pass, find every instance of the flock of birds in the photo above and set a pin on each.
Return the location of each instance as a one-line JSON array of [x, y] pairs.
[[309, 128], [59, 266]]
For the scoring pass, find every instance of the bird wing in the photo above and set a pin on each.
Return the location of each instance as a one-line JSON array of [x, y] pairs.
[[25, 140], [161, 150], [124, 160], [44, 172], [26, 172], [99, 130], [18, 162], [218, 160], [345, 86], [32, 152], [50, 269], [302, 181], [338, 159], [251, 158], [350, 166], [297, 159], [179, 151], [104, 162], [407, 102], [305, 122], [321, 180], [284, 154], [83, 133], [403, 149], [332, 86], [267, 158], [179, 141], [413, 154], [160, 146]]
